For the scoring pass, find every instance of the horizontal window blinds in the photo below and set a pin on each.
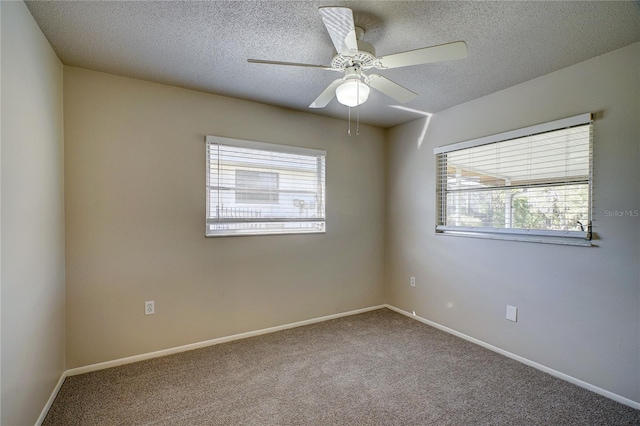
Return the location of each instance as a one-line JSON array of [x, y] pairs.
[[257, 188], [531, 184]]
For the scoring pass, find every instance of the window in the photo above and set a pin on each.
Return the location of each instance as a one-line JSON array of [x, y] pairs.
[[531, 184], [256, 188]]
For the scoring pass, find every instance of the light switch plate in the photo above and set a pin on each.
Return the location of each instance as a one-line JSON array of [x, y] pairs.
[[512, 313]]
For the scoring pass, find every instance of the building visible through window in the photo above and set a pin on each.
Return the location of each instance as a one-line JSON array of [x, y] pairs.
[[256, 188]]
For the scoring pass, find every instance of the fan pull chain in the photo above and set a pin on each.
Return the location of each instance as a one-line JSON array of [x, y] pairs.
[[357, 113], [358, 109]]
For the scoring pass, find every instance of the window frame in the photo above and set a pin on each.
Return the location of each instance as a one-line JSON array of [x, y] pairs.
[[565, 237], [268, 225]]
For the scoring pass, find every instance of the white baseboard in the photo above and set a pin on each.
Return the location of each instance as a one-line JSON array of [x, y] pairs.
[[49, 403], [198, 345], [551, 371], [184, 348]]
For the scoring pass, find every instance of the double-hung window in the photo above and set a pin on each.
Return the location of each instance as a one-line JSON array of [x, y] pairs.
[[256, 188], [531, 184]]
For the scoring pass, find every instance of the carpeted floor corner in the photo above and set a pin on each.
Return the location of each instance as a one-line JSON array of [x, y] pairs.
[[375, 368]]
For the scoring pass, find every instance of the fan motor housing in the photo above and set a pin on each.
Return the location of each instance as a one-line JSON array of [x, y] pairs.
[[365, 57]]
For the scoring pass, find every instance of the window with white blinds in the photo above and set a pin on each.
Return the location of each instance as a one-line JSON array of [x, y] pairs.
[[256, 188], [531, 184]]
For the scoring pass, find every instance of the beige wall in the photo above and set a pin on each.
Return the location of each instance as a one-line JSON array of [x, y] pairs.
[[135, 211], [32, 241], [578, 308]]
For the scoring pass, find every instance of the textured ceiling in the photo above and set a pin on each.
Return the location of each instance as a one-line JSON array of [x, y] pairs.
[[205, 45]]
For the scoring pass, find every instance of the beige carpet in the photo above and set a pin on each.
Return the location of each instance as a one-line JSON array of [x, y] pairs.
[[376, 368]]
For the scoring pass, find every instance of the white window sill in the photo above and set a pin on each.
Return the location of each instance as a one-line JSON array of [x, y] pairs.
[[521, 237]]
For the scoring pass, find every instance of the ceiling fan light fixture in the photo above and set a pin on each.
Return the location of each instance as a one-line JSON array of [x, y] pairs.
[[352, 93]]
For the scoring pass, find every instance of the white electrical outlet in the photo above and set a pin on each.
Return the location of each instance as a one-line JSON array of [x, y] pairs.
[[149, 308], [512, 313], [413, 281]]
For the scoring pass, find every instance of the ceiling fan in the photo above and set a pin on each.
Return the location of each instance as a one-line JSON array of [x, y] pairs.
[[355, 56]]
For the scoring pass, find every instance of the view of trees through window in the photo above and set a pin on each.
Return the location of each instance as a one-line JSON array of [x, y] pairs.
[[559, 208], [536, 182]]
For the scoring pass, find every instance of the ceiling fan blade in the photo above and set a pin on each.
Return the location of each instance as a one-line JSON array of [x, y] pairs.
[[339, 23], [326, 96], [443, 52], [291, 64], [389, 88]]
